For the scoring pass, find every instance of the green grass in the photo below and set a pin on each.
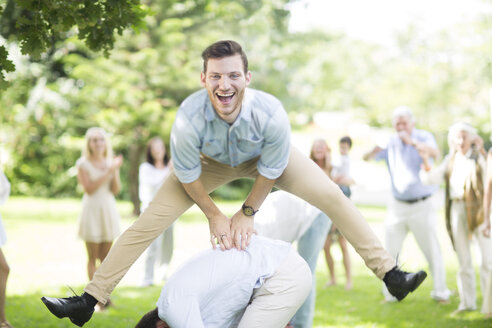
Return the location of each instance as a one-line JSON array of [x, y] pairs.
[[45, 256]]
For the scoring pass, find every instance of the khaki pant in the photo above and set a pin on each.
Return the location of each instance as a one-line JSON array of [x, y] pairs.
[[302, 177], [278, 299]]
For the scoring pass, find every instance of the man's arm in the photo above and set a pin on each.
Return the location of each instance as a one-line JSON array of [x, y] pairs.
[[242, 226], [370, 155], [219, 224]]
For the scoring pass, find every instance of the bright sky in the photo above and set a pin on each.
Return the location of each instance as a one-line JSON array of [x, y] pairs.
[[378, 20]]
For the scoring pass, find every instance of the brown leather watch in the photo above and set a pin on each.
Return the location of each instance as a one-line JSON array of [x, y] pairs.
[[248, 210]]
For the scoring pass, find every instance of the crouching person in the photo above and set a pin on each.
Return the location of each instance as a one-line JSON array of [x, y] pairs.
[[262, 286]]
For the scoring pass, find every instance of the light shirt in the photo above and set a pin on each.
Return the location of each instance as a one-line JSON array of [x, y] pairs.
[[261, 130], [341, 167], [284, 216], [4, 188], [404, 163], [463, 167], [213, 289], [150, 180]]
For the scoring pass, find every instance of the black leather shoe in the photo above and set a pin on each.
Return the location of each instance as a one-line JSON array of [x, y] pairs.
[[75, 308], [400, 283]]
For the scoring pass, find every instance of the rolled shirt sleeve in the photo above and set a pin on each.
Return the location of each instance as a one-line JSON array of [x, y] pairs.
[[185, 149], [276, 148]]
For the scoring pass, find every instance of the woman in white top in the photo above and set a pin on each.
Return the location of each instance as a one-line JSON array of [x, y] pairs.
[[4, 267], [321, 155], [463, 171], [151, 174], [99, 175]]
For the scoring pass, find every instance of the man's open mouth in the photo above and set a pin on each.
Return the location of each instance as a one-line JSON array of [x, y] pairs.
[[225, 98]]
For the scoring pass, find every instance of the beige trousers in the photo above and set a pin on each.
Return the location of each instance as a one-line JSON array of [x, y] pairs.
[[466, 272], [302, 177], [279, 298]]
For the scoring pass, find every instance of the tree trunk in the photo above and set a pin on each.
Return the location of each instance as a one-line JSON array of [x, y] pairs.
[[135, 152]]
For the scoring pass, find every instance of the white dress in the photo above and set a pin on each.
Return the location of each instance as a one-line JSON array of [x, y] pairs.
[[99, 220], [4, 194]]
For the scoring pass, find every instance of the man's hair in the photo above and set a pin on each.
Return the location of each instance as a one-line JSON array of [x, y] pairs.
[[346, 140], [403, 111], [150, 320], [224, 48]]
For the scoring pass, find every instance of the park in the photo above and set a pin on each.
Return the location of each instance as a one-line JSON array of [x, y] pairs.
[[128, 66]]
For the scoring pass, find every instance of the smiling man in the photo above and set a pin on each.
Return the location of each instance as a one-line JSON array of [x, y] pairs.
[[222, 133]]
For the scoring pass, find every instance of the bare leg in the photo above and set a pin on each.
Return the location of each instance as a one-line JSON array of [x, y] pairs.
[[329, 261], [92, 251], [4, 273], [104, 248], [346, 262]]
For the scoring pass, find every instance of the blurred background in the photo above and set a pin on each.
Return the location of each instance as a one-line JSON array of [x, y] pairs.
[[339, 67]]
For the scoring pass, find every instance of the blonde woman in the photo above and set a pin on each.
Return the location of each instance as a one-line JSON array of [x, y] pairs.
[[463, 171], [98, 173]]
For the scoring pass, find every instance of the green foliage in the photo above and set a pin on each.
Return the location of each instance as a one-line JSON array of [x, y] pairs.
[[6, 65]]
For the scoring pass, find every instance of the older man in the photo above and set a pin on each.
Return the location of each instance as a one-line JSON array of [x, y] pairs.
[[412, 207]]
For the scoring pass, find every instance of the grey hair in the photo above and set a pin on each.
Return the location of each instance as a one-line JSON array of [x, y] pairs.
[[459, 127], [402, 111]]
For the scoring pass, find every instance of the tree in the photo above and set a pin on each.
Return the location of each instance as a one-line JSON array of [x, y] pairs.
[[38, 25]]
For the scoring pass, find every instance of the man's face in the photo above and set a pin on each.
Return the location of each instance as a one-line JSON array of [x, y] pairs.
[[225, 82], [403, 124]]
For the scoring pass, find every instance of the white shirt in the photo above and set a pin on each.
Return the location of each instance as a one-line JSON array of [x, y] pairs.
[[463, 166], [150, 180], [284, 216], [341, 166], [213, 289], [4, 188]]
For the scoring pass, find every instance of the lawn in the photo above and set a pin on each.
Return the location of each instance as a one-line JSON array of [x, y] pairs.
[[46, 256]]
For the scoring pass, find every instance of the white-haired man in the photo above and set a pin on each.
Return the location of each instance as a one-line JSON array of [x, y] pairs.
[[412, 207]]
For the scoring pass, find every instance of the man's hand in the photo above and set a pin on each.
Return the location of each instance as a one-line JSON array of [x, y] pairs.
[[405, 137], [220, 232], [242, 228]]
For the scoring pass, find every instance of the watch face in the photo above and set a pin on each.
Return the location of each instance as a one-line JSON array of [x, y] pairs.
[[248, 210]]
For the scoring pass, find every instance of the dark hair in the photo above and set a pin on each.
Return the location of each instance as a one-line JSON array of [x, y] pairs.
[[346, 140], [149, 157], [221, 49], [150, 319]]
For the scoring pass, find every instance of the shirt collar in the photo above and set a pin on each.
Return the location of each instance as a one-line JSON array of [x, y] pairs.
[[245, 113], [210, 114]]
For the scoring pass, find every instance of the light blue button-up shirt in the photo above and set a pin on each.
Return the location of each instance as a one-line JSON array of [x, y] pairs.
[[261, 129], [404, 163]]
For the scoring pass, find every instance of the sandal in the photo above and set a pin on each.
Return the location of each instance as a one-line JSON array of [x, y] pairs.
[[6, 324]]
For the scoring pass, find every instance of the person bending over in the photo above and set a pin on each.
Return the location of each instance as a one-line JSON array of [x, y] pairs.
[[262, 286]]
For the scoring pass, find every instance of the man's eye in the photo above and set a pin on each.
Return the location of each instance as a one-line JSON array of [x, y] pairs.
[[235, 76], [215, 77]]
